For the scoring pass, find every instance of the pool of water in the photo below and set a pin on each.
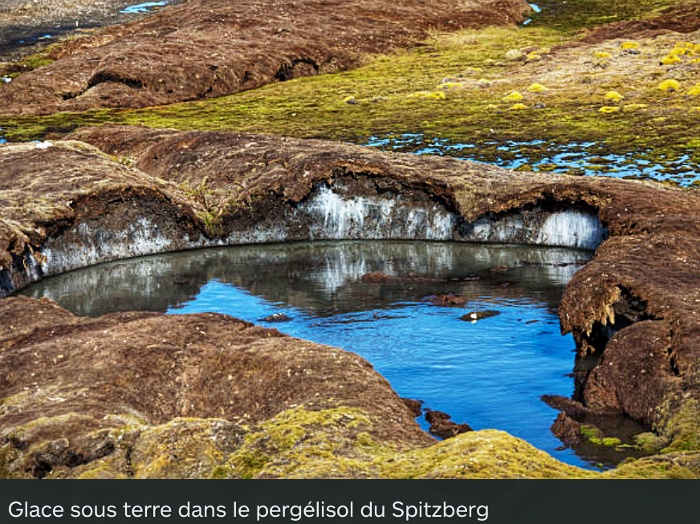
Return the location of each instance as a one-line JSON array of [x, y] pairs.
[[384, 301], [36, 38], [535, 9], [573, 158]]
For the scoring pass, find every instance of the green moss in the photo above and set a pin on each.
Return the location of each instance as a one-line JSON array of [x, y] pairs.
[[338, 442], [684, 428], [221, 472], [104, 468], [651, 469], [184, 447], [29, 63], [36, 61], [10, 459], [325, 442], [650, 442]]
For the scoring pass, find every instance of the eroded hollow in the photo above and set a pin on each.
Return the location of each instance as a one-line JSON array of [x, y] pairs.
[[348, 207]]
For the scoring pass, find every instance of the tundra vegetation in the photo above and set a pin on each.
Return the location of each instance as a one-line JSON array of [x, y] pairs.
[[611, 73], [622, 74]]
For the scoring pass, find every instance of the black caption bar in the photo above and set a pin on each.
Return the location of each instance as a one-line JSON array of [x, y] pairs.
[[348, 501]]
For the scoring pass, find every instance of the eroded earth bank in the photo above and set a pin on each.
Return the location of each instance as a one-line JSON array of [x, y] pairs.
[[239, 400]]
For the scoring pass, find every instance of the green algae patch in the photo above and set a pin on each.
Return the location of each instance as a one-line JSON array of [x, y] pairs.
[[595, 436]]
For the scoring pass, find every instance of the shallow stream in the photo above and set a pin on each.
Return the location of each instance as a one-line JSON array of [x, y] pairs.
[[398, 304], [572, 158]]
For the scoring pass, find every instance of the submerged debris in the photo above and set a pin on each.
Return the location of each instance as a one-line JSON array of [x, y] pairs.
[[276, 317], [474, 316], [442, 426]]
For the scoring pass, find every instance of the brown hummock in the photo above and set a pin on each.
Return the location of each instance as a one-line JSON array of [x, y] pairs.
[[414, 406], [634, 310], [87, 376], [209, 48], [683, 17]]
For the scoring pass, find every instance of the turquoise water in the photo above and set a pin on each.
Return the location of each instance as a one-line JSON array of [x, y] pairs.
[[489, 374]]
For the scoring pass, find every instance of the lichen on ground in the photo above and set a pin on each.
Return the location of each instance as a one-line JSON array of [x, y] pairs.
[[334, 443]]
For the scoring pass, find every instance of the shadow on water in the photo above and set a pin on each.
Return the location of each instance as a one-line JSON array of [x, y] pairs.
[[398, 304]]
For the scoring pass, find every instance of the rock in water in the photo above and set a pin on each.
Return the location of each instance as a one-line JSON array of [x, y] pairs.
[[474, 316]]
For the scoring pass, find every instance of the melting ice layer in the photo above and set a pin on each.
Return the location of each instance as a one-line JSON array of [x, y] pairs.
[[339, 217], [334, 216], [568, 228], [99, 245], [327, 215]]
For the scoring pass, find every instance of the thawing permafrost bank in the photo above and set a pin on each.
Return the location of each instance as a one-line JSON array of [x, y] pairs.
[[337, 217], [330, 213], [574, 228], [96, 244], [334, 216]]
